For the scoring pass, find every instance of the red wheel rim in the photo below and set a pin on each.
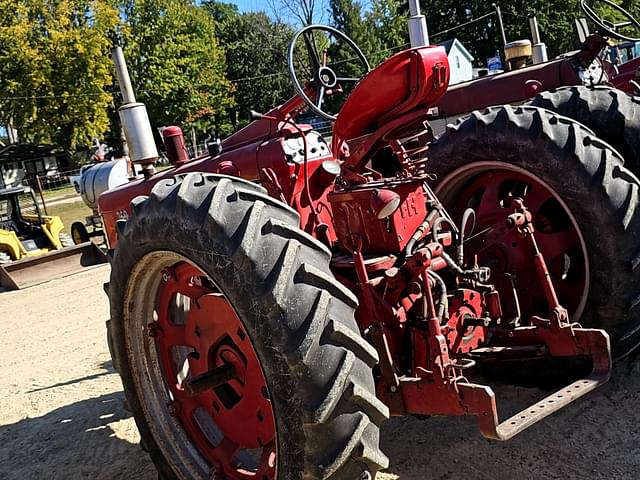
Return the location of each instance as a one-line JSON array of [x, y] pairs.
[[488, 188], [196, 331]]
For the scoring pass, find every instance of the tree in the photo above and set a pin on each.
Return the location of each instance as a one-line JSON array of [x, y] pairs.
[[256, 54], [298, 12], [54, 71], [389, 19], [348, 17], [555, 19], [176, 63]]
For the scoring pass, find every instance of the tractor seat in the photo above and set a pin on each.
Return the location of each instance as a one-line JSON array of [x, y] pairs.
[[387, 89], [9, 225]]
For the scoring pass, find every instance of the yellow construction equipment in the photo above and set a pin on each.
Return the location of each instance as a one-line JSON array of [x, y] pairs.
[[33, 247]]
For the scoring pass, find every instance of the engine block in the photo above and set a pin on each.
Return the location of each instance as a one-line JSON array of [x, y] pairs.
[[355, 219]]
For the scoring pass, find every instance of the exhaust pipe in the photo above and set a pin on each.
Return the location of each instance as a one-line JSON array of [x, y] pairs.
[[539, 48], [134, 118], [418, 33]]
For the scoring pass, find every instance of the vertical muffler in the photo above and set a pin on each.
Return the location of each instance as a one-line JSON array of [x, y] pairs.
[[134, 119]]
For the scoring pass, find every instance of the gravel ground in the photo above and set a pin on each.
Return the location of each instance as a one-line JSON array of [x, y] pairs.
[[62, 415]]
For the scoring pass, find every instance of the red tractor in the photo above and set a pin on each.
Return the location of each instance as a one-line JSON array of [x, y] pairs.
[[582, 85], [274, 301]]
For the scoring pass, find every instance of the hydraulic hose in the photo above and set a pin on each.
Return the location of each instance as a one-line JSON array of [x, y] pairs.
[[468, 213], [419, 232], [443, 304]]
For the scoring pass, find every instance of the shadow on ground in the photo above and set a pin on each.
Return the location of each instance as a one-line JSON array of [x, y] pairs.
[[106, 368], [73, 442], [596, 437]]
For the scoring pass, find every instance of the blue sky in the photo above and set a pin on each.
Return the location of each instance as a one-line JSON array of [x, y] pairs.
[[252, 5], [266, 6]]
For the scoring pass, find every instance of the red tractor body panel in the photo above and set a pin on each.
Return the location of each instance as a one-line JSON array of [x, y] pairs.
[[353, 216], [627, 72], [274, 160], [509, 87]]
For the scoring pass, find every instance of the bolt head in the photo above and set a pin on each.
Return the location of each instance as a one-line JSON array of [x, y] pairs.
[[153, 330], [173, 407]]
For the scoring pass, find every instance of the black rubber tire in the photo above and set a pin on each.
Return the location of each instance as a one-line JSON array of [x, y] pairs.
[[317, 365], [612, 114], [79, 233], [589, 177]]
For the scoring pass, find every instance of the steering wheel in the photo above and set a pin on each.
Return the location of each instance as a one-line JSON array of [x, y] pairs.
[[610, 27], [324, 76]]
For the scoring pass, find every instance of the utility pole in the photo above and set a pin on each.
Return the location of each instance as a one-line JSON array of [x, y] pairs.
[[418, 34], [503, 35]]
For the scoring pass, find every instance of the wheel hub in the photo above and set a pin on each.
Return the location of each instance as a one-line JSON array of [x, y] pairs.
[[326, 77], [490, 192], [200, 338]]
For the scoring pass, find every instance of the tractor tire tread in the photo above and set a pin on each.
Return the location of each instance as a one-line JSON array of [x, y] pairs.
[[329, 384], [580, 166], [612, 114]]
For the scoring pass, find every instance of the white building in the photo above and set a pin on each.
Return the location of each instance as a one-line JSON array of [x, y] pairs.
[[20, 162], [460, 61]]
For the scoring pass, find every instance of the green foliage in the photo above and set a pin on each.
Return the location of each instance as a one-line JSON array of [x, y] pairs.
[[53, 69], [389, 20], [347, 16], [203, 64], [176, 64], [256, 55], [555, 20]]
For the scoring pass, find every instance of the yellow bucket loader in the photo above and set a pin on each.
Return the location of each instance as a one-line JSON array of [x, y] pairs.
[[33, 247]]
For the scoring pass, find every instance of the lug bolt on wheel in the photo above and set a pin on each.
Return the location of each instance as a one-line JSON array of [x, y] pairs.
[[173, 407], [154, 330]]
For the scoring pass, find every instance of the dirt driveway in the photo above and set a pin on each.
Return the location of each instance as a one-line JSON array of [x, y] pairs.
[[62, 415]]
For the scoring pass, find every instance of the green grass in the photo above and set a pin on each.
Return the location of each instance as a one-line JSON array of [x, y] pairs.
[[63, 192], [70, 212]]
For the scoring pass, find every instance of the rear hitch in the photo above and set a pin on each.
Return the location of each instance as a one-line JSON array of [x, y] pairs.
[[563, 341], [441, 389]]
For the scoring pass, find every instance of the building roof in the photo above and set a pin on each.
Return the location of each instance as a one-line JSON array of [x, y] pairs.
[[9, 192], [24, 152], [448, 45]]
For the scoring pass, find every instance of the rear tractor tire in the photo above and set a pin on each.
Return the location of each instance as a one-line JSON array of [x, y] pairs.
[[613, 115], [238, 350], [584, 204]]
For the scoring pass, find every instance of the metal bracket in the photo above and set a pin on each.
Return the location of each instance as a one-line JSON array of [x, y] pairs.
[[457, 396], [480, 400]]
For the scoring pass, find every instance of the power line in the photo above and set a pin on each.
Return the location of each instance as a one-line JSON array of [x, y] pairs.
[[237, 80], [268, 75], [515, 15], [37, 97], [257, 77], [457, 27]]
